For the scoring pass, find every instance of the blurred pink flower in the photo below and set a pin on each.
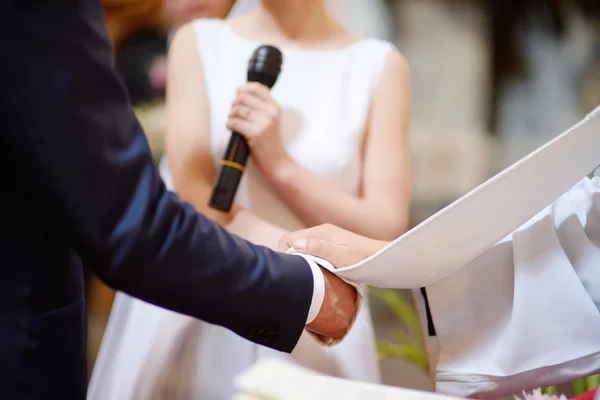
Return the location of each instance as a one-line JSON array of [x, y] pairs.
[[158, 73]]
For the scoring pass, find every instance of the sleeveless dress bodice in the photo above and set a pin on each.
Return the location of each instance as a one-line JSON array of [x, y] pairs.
[[325, 97]]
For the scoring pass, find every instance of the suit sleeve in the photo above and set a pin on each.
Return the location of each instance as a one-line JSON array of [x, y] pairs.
[[68, 125]]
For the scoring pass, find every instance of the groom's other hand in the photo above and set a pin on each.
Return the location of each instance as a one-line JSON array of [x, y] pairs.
[[336, 245], [338, 308]]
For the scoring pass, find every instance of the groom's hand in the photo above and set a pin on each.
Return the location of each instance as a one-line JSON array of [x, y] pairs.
[[338, 309], [336, 245]]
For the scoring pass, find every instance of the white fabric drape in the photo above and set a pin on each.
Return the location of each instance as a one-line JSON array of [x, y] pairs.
[[515, 312]]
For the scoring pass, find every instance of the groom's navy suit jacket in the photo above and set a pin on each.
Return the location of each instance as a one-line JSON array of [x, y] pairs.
[[78, 185]]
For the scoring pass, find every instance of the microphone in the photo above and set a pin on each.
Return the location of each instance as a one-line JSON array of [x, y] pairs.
[[264, 67]]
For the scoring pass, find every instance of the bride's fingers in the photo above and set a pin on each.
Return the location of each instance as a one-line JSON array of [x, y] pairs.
[[243, 127], [314, 246], [258, 90], [252, 101], [283, 245], [243, 112], [251, 128]]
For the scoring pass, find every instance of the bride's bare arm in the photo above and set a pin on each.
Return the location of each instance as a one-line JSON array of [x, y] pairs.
[[188, 147], [381, 211]]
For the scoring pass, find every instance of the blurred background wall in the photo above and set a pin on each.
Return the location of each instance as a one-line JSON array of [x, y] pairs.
[[491, 81]]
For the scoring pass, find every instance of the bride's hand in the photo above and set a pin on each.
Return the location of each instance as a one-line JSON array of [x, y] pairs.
[[256, 116], [336, 245]]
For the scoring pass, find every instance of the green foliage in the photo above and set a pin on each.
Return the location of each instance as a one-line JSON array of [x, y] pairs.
[[578, 386], [151, 118], [409, 345], [585, 384], [550, 391]]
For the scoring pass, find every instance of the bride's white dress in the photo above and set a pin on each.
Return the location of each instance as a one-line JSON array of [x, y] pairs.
[[325, 95]]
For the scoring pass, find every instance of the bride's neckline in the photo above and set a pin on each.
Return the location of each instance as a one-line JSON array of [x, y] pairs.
[[290, 49]]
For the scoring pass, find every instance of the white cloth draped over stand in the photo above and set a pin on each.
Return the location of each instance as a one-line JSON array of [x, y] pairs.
[[512, 273], [525, 314]]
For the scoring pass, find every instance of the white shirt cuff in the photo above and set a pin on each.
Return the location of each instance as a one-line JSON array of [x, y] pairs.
[[318, 289], [319, 292]]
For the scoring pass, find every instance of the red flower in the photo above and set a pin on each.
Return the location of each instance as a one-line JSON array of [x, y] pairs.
[[586, 396]]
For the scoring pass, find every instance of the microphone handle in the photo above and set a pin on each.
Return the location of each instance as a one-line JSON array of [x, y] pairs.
[[230, 175]]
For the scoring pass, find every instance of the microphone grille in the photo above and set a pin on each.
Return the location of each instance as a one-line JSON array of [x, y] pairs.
[[265, 65]]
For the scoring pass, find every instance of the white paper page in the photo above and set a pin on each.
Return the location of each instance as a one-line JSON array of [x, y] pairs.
[[465, 229], [275, 379]]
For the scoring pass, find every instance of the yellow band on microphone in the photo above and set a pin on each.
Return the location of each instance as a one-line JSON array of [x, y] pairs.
[[232, 164]]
